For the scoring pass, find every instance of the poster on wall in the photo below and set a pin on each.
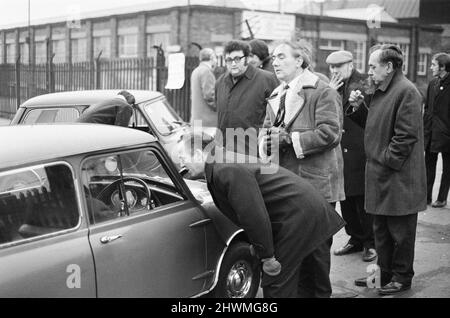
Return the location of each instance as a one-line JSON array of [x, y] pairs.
[[176, 73]]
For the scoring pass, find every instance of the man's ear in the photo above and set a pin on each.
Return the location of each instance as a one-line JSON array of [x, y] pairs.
[[390, 67], [299, 61]]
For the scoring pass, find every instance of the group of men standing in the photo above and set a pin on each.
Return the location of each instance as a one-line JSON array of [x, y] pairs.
[[357, 140]]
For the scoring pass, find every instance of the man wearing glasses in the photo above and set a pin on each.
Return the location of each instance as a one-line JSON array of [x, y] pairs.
[[241, 99]]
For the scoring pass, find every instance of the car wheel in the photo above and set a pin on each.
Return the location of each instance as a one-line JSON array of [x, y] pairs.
[[239, 275]]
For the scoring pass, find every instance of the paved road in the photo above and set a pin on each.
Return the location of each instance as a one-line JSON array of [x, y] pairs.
[[432, 260]]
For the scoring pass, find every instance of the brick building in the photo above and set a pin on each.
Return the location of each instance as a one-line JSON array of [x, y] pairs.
[[135, 31]]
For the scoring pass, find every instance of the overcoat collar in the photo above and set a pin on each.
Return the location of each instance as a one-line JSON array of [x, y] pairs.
[[391, 77], [306, 80]]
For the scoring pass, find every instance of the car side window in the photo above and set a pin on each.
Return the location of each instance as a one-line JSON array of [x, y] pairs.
[[37, 201], [51, 115], [124, 184]]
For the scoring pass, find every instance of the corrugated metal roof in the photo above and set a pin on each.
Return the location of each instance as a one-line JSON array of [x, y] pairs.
[[360, 14], [397, 8]]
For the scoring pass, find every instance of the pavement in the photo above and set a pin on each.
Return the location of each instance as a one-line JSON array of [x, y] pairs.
[[431, 264]]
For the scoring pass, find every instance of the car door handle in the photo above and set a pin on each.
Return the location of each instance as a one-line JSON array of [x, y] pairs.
[[109, 239]]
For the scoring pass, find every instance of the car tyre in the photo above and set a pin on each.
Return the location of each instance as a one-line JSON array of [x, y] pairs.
[[240, 273]]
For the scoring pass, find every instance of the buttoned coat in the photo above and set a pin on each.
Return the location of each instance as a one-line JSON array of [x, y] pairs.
[[282, 214], [437, 116], [243, 105], [315, 113], [352, 142], [395, 166], [203, 105]]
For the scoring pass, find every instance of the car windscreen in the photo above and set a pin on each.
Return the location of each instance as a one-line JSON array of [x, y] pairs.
[[163, 116], [51, 115]]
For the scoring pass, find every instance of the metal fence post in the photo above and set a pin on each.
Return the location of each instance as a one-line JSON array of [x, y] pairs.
[[160, 65], [18, 82], [97, 70]]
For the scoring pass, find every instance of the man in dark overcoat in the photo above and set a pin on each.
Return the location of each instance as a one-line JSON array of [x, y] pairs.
[[114, 111], [241, 95], [395, 167], [283, 215], [437, 127], [345, 79]]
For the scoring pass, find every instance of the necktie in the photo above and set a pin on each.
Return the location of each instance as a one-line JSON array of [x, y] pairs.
[[279, 120]]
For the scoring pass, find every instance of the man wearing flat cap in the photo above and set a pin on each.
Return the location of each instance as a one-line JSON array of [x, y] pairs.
[[345, 79]]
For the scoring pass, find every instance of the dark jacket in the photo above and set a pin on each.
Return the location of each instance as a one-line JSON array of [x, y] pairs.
[[314, 119], [352, 142], [282, 214], [395, 167], [114, 111], [243, 105], [436, 118]]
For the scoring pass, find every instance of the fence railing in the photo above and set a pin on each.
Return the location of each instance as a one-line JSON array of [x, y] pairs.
[[19, 82]]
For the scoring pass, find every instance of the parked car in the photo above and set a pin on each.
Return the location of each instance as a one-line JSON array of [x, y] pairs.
[[110, 216], [152, 114]]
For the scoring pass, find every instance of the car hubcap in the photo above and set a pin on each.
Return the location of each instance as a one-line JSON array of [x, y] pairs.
[[239, 280]]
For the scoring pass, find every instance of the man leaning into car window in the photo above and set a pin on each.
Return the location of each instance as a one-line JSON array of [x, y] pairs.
[[115, 111]]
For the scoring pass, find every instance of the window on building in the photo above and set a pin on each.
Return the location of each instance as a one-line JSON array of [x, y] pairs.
[[157, 39], [11, 53], [24, 53], [1, 53], [360, 56], [102, 44], [128, 45], [422, 64], [59, 50], [41, 52], [331, 45], [78, 50]]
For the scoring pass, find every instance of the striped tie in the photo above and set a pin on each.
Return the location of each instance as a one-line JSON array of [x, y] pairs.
[[279, 120]]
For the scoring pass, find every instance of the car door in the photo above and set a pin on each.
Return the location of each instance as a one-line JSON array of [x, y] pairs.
[[140, 252], [44, 247]]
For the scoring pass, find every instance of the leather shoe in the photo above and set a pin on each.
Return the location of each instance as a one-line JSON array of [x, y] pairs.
[[347, 249], [439, 204], [361, 282], [369, 254], [393, 288]]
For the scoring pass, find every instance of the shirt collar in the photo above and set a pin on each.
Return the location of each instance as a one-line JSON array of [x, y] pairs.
[[206, 64]]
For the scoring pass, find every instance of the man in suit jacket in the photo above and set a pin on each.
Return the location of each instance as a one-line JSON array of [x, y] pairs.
[[115, 111], [437, 127], [345, 79], [203, 81], [287, 221], [395, 167]]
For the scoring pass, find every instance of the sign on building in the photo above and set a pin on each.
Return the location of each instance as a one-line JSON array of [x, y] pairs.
[[268, 26], [176, 71]]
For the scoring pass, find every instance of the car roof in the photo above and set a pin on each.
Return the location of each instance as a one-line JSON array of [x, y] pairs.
[[25, 144], [88, 97]]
